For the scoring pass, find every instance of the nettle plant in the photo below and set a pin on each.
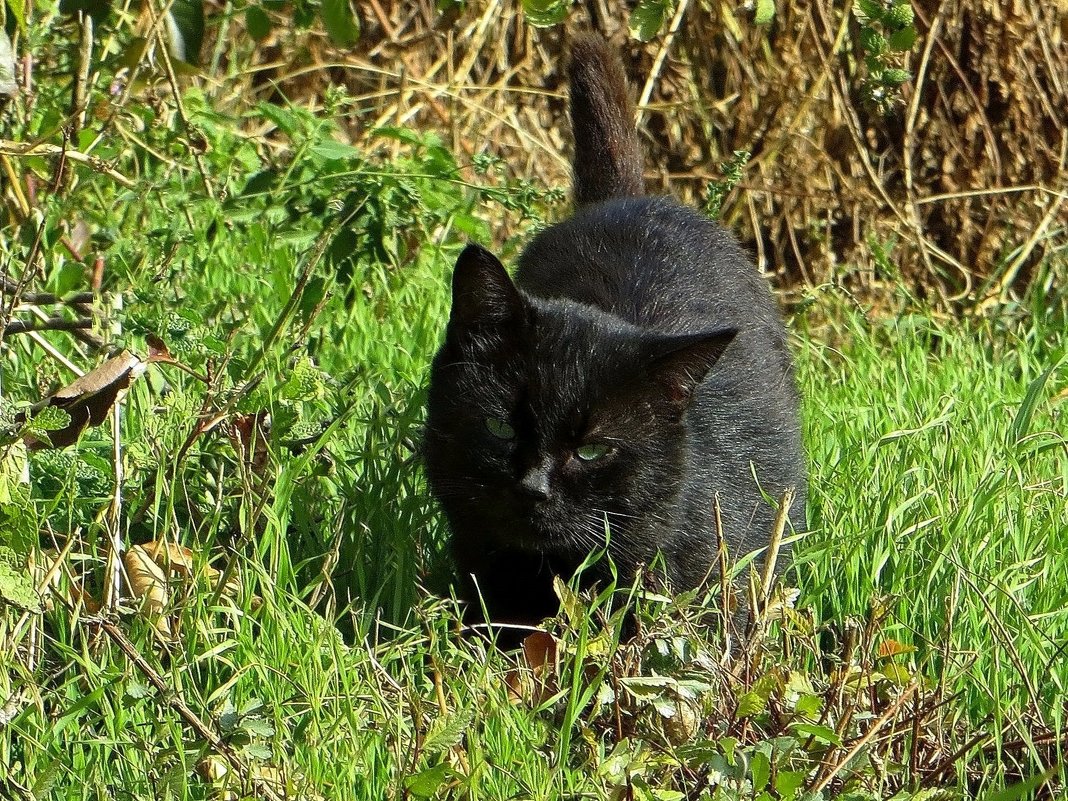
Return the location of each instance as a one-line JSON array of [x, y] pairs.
[[220, 269], [887, 33]]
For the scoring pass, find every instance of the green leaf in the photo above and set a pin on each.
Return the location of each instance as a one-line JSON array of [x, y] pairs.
[[648, 18], [50, 418], [257, 727], [447, 731], [765, 12], [47, 776], [869, 9], [900, 14], [16, 586], [648, 687], [728, 744], [1021, 424], [329, 150], [341, 24], [257, 23], [808, 705], [18, 11], [136, 690], [258, 751], [873, 41], [1024, 788], [543, 13], [897, 674], [759, 770], [902, 41], [788, 783], [426, 784], [185, 30], [570, 603], [751, 703], [228, 718], [824, 734], [13, 496]]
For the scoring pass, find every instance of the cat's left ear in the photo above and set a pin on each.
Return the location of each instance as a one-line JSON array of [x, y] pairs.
[[482, 292], [680, 363]]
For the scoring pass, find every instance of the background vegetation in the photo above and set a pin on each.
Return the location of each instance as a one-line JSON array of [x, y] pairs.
[[226, 579]]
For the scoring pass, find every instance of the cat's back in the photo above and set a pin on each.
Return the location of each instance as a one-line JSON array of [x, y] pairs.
[[652, 262]]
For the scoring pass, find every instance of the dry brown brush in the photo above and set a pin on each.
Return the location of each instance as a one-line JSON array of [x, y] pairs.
[[962, 179]]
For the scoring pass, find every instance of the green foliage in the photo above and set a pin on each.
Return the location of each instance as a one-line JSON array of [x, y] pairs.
[[647, 18], [733, 170], [341, 24], [764, 12], [886, 32], [543, 13], [16, 585], [50, 418]]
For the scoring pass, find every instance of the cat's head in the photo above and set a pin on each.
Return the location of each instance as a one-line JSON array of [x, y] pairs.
[[547, 418]]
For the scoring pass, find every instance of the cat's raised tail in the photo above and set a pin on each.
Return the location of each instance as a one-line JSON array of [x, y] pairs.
[[608, 158]]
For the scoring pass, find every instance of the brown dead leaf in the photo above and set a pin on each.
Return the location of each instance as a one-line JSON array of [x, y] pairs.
[[540, 651], [88, 399], [888, 648], [170, 556], [540, 680], [248, 433], [179, 560], [148, 584], [158, 350], [80, 595], [513, 680]]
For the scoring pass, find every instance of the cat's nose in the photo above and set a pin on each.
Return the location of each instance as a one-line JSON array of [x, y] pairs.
[[535, 484]]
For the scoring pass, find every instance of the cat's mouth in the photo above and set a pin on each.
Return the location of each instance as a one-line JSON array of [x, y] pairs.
[[540, 529]]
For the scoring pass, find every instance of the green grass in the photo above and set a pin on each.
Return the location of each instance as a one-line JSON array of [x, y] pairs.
[[941, 487], [939, 515]]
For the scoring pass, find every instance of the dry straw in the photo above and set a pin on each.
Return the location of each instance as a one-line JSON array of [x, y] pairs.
[[967, 174]]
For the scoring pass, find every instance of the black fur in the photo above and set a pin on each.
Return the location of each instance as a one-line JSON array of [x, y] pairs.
[[637, 326]]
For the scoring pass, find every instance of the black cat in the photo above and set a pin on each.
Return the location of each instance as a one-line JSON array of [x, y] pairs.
[[636, 367]]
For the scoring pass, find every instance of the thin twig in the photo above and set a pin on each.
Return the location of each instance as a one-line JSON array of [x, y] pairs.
[[113, 573], [1001, 288], [658, 63], [909, 140], [80, 91], [772, 556], [261, 786], [721, 555], [50, 349], [868, 736], [9, 148], [176, 91], [47, 298], [51, 324]]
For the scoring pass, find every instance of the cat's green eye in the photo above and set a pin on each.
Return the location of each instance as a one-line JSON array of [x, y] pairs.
[[592, 452], [499, 428]]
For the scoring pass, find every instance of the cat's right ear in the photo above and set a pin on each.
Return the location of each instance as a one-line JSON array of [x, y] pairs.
[[482, 292], [681, 363]]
